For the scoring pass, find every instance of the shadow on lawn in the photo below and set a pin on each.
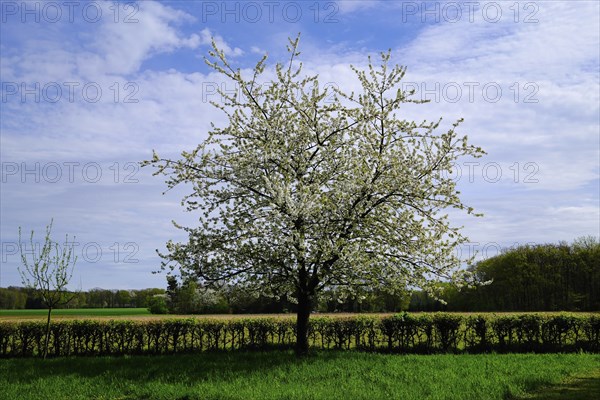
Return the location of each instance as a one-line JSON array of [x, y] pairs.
[[579, 387], [180, 368]]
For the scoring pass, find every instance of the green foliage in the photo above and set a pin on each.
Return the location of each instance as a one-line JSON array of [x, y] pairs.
[[158, 305], [447, 328], [549, 277], [25, 298], [405, 333], [12, 298], [190, 298], [365, 300]]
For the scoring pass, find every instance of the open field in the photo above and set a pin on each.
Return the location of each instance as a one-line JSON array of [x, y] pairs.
[[276, 375], [72, 313], [133, 314], [120, 313], [144, 314]]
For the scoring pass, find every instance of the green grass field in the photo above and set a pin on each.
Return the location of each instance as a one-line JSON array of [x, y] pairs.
[[581, 386], [279, 375], [143, 313], [77, 312]]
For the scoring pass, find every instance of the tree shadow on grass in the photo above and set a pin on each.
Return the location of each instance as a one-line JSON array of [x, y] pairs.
[[579, 387], [179, 368]]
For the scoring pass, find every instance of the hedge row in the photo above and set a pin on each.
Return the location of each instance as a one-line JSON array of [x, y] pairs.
[[421, 333]]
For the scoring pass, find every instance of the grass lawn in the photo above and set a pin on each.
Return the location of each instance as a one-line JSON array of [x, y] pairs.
[[582, 386], [279, 375], [72, 312]]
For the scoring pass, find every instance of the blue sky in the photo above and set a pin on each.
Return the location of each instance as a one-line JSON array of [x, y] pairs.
[[90, 88]]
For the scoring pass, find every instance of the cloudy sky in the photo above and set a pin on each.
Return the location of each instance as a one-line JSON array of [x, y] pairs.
[[90, 88]]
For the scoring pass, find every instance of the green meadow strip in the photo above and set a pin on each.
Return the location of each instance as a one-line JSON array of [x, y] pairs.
[[280, 375]]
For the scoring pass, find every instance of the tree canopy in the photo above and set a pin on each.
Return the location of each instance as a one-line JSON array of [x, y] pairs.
[[306, 189]]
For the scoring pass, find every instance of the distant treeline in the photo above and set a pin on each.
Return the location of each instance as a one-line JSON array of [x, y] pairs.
[[550, 277], [21, 298], [191, 298]]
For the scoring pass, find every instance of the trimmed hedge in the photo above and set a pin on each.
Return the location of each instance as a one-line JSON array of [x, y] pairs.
[[405, 333]]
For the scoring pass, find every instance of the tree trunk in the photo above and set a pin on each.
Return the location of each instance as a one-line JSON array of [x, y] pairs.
[[47, 333], [304, 310]]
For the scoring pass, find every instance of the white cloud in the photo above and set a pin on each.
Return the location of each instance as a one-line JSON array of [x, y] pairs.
[[563, 120], [120, 48], [206, 38], [350, 6]]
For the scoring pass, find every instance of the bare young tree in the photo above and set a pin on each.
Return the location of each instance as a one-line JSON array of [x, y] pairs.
[[48, 273]]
